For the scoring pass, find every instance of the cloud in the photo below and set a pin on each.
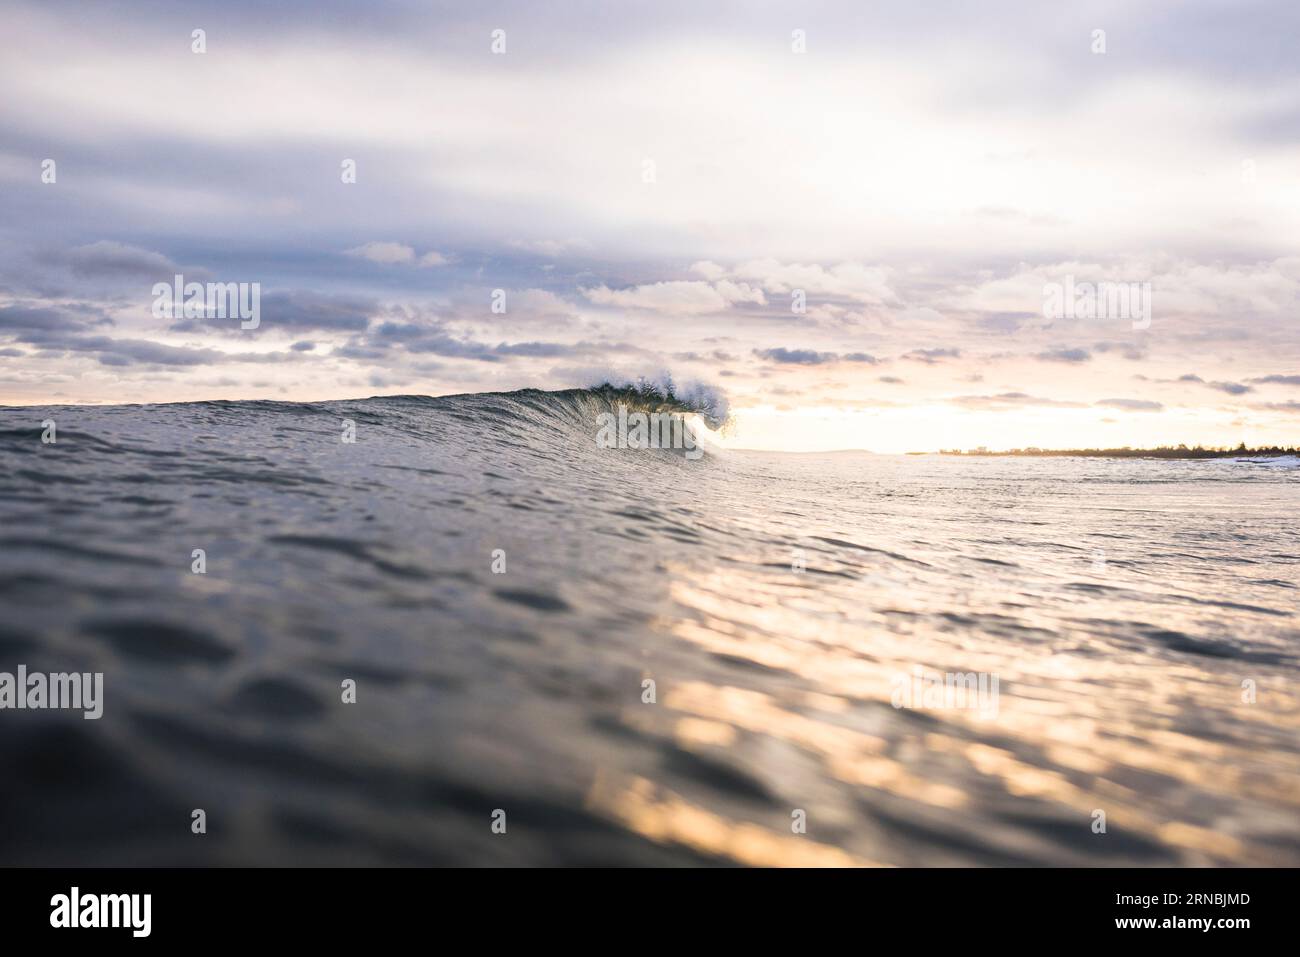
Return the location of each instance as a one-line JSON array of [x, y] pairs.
[[419, 337], [538, 349], [432, 335], [709, 270], [125, 352], [795, 356], [847, 280], [121, 352], [389, 254], [1188, 298], [552, 248], [295, 310], [1131, 405], [108, 258], [385, 253], [680, 297], [44, 318], [1131, 351], [1278, 380], [1005, 322], [1231, 388], [808, 357], [1064, 355], [931, 356], [1008, 400], [304, 309], [535, 304]]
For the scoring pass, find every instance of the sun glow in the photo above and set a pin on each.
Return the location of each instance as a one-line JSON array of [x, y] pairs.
[[931, 426]]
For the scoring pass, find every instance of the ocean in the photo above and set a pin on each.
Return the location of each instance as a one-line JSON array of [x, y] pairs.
[[470, 635]]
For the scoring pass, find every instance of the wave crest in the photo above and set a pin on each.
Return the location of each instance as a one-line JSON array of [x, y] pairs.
[[662, 394]]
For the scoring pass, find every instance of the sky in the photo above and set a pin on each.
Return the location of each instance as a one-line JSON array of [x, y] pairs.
[[844, 215]]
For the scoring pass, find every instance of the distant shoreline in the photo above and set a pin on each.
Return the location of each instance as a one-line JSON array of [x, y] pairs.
[[1162, 452]]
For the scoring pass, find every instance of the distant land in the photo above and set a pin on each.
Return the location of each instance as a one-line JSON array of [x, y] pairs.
[[1160, 452]]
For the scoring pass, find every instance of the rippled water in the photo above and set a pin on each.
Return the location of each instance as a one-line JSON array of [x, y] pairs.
[[778, 603]]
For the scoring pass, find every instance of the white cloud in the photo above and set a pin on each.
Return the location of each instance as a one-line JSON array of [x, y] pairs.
[[1224, 295], [850, 280], [378, 252], [684, 297], [530, 304], [709, 270], [389, 254], [552, 248], [735, 292]]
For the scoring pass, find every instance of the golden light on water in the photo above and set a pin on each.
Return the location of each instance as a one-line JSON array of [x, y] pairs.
[[1073, 732], [661, 815]]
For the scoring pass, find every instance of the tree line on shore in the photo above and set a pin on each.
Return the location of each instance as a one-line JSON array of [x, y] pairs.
[[1160, 452]]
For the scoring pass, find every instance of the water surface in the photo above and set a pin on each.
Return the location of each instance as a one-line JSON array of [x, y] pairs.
[[776, 602]]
